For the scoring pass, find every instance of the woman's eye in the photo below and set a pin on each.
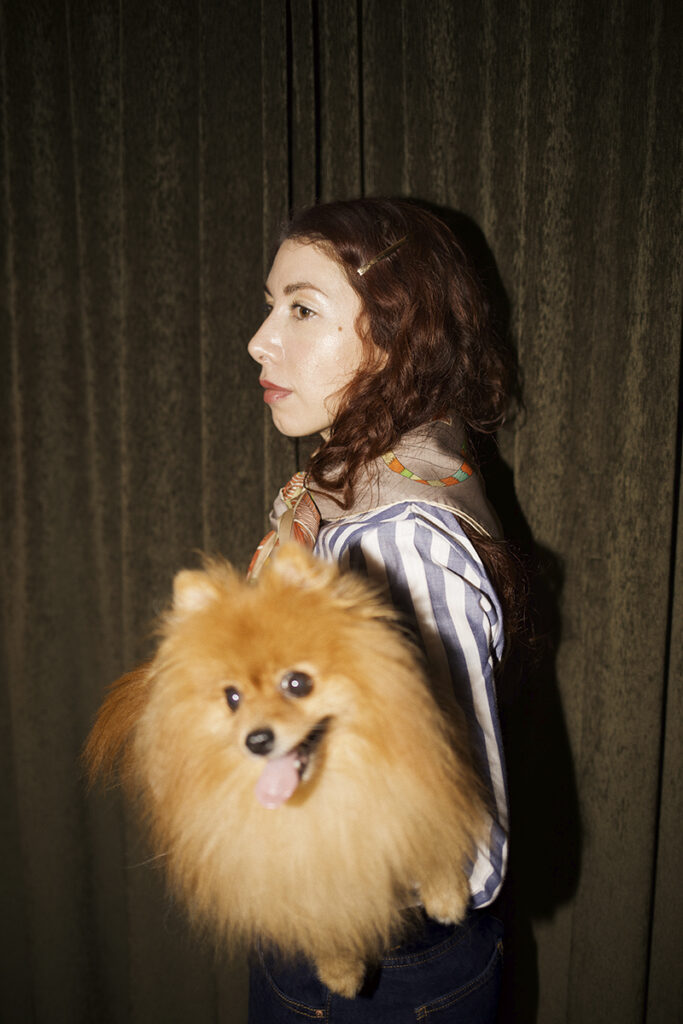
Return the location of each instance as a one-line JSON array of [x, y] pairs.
[[233, 697], [296, 684], [302, 312], [267, 310]]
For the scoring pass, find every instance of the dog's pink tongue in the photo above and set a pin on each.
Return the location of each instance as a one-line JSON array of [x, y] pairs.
[[278, 780]]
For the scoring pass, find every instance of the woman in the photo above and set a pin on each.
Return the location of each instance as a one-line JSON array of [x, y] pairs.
[[377, 338]]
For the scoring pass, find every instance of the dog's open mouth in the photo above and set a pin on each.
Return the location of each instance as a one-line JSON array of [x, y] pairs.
[[307, 748], [281, 775]]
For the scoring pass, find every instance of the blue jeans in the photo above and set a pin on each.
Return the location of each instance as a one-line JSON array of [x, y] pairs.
[[449, 974]]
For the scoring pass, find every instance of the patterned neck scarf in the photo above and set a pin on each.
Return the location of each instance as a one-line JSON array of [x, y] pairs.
[[422, 468], [299, 522]]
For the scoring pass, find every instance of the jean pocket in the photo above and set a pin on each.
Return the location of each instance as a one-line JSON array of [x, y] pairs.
[[475, 1000], [273, 981]]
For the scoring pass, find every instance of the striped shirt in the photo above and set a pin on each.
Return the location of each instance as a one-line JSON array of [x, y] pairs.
[[420, 554]]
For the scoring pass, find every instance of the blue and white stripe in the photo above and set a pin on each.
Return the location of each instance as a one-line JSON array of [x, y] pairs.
[[420, 554]]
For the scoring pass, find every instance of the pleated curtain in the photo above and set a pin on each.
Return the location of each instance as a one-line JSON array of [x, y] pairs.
[[149, 151]]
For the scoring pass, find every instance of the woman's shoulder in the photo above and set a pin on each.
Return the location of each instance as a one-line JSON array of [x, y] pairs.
[[404, 509], [418, 549], [427, 467], [399, 531], [392, 513]]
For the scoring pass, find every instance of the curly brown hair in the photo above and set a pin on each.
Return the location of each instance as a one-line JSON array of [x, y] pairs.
[[430, 345], [431, 348]]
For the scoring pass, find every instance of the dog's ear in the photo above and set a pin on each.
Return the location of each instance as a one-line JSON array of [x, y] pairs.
[[192, 591], [295, 566], [292, 565]]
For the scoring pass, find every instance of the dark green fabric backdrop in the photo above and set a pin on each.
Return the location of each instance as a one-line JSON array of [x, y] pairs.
[[148, 152]]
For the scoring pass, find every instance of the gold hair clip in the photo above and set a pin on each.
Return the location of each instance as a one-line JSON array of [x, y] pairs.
[[382, 256]]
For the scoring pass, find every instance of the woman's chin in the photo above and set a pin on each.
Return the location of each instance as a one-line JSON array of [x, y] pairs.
[[292, 427]]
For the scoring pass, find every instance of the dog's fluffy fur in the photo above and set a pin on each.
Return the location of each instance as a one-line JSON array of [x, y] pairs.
[[388, 811]]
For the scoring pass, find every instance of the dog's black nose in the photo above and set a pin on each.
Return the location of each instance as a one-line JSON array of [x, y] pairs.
[[261, 741]]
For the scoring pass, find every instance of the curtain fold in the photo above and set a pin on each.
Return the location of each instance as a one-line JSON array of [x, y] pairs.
[[665, 985], [149, 153]]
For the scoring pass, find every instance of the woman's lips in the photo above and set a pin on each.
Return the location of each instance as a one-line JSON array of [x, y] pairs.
[[272, 392]]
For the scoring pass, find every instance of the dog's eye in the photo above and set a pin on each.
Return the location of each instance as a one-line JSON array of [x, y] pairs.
[[296, 684], [233, 697]]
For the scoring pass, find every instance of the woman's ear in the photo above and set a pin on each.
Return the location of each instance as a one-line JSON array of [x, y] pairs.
[[374, 357], [379, 358]]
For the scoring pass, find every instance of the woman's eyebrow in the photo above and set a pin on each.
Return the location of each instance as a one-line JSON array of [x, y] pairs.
[[289, 289]]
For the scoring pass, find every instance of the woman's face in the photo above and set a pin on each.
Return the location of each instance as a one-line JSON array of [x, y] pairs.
[[307, 346]]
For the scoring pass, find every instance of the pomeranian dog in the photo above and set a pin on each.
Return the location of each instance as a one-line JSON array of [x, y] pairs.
[[296, 775]]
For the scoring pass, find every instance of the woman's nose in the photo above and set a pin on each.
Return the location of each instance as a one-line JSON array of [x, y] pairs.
[[266, 345]]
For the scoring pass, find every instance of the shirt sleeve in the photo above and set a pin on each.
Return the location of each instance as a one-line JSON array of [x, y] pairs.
[[435, 577]]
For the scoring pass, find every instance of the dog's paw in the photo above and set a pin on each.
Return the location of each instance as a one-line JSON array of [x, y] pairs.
[[446, 904], [342, 975]]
